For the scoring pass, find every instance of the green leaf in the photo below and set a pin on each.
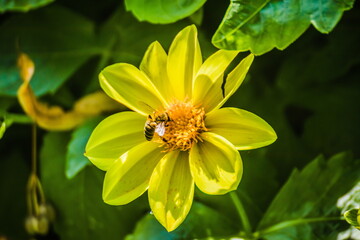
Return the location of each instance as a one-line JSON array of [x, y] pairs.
[[162, 11], [57, 45], [312, 192], [22, 5], [261, 25], [201, 222], [9, 118], [75, 159], [81, 212]]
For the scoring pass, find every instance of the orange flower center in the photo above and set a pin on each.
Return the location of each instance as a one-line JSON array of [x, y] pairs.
[[185, 126]]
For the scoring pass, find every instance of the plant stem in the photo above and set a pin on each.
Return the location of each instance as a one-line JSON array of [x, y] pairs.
[[242, 213], [11, 118], [34, 146], [295, 222]]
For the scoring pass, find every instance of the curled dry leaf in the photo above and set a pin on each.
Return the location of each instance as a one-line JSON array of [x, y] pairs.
[[54, 117]]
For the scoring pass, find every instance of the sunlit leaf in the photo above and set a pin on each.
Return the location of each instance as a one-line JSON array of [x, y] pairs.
[[22, 5], [162, 11], [261, 25], [82, 214], [75, 159]]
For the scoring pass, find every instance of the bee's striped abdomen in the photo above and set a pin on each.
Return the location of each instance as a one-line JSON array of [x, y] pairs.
[[149, 130]]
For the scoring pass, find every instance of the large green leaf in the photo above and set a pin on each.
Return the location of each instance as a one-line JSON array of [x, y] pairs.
[[21, 5], [312, 192], [201, 222], [261, 25], [57, 45], [162, 11], [81, 212]]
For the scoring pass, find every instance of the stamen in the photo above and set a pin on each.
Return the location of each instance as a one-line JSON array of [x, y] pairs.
[[185, 126]]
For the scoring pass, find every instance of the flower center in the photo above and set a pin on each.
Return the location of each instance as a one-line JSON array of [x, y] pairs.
[[185, 126]]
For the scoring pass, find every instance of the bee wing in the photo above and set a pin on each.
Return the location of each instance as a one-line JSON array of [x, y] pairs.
[[160, 129], [149, 109]]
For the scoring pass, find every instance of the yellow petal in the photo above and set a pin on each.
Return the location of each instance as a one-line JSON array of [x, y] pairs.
[[131, 87], [171, 190], [128, 178], [114, 136], [153, 65], [235, 78], [207, 85], [242, 128], [183, 62], [215, 165]]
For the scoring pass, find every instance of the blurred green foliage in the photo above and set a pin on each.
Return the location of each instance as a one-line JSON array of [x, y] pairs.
[[309, 93]]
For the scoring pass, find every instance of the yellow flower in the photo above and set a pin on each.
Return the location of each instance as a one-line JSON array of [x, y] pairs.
[[177, 97]]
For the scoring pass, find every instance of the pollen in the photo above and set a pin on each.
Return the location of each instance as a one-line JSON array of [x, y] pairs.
[[185, 126]]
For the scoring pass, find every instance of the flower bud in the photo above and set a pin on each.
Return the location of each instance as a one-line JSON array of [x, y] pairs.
[[31, 225], [43, 225], [45, 209]]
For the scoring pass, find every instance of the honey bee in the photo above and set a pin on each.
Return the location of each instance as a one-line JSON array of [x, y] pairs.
[[155, 123]]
